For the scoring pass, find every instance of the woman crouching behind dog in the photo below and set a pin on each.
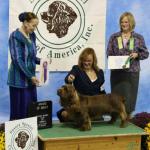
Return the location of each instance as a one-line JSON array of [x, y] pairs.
[[86, 77]]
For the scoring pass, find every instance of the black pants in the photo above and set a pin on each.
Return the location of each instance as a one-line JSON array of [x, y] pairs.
[[61, 119], [125, 84]]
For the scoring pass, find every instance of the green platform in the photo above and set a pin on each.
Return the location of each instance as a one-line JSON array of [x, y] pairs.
[[65, 131]]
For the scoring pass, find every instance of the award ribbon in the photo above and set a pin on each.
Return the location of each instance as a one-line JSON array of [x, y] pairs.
[[131, 43], [126, 62], [131, 47], [45, 71]]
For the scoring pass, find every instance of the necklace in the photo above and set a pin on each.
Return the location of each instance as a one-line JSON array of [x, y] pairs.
[[126, 35]]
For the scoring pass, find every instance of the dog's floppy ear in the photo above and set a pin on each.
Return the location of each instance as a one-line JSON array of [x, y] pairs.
[[71, 89], [123, 99], [72, 94]]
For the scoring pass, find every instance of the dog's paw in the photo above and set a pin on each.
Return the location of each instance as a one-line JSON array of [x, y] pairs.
[[123, 124], [86, 126]]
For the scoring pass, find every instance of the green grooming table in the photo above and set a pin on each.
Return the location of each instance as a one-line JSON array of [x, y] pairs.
[[103, 136]]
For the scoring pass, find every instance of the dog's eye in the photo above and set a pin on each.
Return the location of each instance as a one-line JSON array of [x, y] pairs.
[[64, 87]]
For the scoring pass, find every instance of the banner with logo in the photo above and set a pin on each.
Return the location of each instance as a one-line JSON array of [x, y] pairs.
[[21, 134], [65, 28]]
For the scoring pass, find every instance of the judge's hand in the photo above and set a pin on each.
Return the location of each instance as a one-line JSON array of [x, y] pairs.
[[71, 78], [35, 81], [134, 55], [47, 61]]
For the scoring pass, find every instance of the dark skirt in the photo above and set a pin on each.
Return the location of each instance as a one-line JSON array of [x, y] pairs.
[[20, 99], [125, 84]]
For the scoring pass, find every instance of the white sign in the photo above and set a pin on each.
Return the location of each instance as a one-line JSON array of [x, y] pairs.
[[21, 134], [65, 28], [118, 62]]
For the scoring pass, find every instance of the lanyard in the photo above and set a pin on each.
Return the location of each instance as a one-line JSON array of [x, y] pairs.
[[131, 43]]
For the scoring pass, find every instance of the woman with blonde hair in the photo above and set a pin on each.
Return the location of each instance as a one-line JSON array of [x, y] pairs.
[[126, 42]]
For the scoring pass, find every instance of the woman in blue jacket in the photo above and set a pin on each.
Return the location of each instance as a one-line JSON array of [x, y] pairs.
[[21, 76]]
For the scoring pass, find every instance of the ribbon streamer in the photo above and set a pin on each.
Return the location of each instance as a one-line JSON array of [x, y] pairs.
[[126, 62]]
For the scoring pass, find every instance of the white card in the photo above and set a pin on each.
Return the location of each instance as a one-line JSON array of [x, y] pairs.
[[118, 62], [21, 134]]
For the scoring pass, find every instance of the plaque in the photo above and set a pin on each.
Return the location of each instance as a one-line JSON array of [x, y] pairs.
[[43, 111]]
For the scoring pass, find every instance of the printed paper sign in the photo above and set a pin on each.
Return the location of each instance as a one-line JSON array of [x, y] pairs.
[[118, 62], [65, 28], [21, 134]]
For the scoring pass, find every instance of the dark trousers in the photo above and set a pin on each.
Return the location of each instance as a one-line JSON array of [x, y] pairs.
[[125, 84], [20, 99]]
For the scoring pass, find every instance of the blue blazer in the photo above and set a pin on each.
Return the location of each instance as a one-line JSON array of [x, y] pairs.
[[23, 59]]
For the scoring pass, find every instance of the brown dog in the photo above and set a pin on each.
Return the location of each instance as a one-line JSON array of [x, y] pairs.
[[82, 109]]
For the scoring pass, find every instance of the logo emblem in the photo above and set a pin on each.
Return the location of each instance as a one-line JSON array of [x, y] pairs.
[[22, 139], [61, 23], [58, 18]]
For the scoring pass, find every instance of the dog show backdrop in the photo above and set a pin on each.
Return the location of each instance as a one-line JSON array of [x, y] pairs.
[[65, 28], [114, 9]]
